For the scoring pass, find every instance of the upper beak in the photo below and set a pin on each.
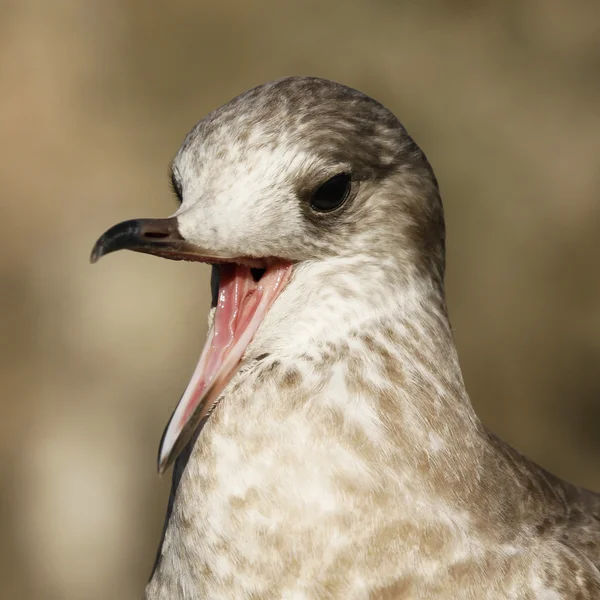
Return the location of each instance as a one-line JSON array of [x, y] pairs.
[[152, 236]]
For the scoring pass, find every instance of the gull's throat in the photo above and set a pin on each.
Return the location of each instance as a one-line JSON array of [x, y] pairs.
[[242, 303]]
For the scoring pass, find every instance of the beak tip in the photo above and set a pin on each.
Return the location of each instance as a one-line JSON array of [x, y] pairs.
[[100, 249], [95, 255], [163, 463], [165, 455]]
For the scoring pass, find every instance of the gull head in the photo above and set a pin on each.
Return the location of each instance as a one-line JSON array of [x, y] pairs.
[[294, 172]]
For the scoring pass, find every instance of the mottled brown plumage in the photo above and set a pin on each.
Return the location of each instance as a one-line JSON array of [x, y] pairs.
[[344, 459]]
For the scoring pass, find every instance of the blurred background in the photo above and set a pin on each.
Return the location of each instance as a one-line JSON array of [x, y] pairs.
[[95, 98]]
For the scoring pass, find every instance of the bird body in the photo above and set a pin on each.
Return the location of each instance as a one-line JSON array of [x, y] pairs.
[[340, 456], [342, 474]]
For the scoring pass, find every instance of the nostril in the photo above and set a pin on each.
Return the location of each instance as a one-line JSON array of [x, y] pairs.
[[155, 235]]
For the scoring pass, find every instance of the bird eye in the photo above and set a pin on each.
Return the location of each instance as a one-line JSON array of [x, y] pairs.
[[331, 194], [175, 186]]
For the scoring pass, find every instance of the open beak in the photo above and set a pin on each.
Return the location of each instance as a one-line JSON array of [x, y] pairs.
[[245, 290]]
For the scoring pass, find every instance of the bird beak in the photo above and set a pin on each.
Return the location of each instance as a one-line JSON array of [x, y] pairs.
[[241, 304], [160, 237]]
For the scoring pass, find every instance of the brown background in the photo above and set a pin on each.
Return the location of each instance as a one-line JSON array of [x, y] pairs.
[[95, 98]]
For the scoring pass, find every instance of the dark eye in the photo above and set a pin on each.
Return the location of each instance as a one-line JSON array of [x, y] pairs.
[[176, 186], [331, 194]]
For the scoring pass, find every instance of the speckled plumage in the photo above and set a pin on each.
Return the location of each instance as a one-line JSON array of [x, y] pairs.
[[344, 459]]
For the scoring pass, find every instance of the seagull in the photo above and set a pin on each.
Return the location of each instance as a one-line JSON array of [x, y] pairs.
[[326, 446]]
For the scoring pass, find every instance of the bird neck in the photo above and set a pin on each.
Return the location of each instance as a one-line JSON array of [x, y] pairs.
[[383, 327]]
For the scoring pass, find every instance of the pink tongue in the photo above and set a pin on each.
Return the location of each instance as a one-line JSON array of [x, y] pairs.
[[242, 305], [238, 299]]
